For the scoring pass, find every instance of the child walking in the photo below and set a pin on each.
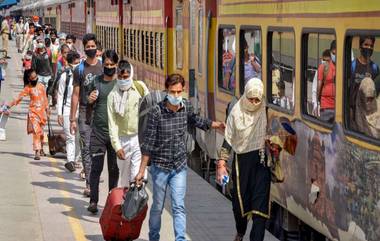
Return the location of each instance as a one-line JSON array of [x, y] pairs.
[[38, 110]]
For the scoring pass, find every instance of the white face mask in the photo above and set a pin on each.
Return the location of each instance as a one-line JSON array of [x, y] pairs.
[[124, 84], [74, 65], [70, 46]]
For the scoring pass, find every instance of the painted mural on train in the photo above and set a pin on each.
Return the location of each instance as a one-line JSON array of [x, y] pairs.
[[344, 178]]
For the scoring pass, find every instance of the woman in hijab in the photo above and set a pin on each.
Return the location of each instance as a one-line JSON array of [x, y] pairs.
[[245, 136], [367, 115]]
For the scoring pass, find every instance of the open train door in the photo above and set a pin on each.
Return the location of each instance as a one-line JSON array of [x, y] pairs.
[[90, 16]]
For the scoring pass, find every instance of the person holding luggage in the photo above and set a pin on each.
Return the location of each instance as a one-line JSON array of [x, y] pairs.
[[165, 147], [65, 90], [123, 115], [84, 75], [245, 135], [100, 142], [38, 110]]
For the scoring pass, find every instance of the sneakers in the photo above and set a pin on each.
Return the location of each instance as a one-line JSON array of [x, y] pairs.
[[93, 208], [70, 166]]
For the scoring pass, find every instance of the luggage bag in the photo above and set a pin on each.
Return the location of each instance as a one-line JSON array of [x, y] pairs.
[[114, 226], [56, 140]]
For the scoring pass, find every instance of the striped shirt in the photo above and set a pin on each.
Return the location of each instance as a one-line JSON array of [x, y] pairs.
[[166, 132]]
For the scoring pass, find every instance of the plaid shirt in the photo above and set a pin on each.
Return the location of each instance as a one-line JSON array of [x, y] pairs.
[[164, 138]]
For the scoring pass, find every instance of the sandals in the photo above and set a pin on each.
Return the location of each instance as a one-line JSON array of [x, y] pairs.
[[82, 175], [238, 237], [42, 153], [37, 155]]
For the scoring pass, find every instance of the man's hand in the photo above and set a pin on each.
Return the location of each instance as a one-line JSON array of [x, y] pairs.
[[218, 125], [60, 120], [139, 178], [120, 154], [93, 96], [73, 127]]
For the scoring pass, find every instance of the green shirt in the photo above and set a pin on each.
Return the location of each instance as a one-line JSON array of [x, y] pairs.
[[100, 118]]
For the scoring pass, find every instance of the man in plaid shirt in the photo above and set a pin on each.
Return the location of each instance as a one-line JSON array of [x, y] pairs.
[[165, 147]]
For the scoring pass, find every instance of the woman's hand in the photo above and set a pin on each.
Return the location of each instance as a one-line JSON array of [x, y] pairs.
[[221, 171], [60, 120]]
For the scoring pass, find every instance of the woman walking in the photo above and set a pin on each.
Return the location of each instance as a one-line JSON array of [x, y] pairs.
[[38, 110], [245, 136]]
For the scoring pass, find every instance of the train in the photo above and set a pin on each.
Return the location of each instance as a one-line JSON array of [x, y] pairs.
[[332, 181]]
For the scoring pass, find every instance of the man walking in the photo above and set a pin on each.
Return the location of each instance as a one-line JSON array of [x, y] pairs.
[[165, 147], [5, 31], [123, 114], [84, 76]]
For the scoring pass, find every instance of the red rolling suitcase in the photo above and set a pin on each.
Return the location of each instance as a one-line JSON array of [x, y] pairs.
[[114, 227]]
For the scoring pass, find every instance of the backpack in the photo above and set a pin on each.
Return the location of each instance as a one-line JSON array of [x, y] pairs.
[[66, 88], [147, 104], [374, 67]]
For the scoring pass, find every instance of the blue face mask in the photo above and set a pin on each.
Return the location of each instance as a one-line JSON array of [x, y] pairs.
[[333, 57], [174, 100]]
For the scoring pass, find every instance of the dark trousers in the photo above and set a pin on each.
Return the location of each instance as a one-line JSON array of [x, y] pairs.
[[254, 180], [100, 144], [258, 225], [85, 136]]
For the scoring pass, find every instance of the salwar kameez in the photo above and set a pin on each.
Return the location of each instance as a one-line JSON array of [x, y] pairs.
[[250, 194], [37, 116]]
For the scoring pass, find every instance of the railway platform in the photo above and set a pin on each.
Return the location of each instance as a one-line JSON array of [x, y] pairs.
[[41, 200]]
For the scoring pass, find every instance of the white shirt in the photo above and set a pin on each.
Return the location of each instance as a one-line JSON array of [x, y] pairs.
[[61, 90]]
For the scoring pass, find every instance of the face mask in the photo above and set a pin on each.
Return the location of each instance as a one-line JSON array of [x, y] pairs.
[[366, 52], [249, 106], [109, 71], [124, 84], [174, 100], [100, 59], [70, 46], [333, 57], [91, 53], [74, 65], [323, 61], [53, 40]]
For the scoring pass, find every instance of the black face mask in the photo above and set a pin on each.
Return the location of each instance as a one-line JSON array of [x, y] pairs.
[[33, 82], [53, 40], [91, 53], [366, 52], [109, 71]]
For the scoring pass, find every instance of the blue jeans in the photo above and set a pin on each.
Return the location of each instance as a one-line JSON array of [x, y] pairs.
[[176, 181]]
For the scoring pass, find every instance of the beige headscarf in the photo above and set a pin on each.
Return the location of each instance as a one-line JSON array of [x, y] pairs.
[[367, 114], [247, 123]]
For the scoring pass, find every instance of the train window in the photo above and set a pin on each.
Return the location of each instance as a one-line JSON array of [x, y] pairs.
[[157, 52], [179, 38], [147, 55], [227, 58], [318, 83], [162, 41], [135, 47], [138, 44], [362, 83], [281, 69], [125, 42], [151, 45], [200, 41], [250, 54]]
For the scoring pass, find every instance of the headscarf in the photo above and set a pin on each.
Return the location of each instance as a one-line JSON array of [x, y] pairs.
[[246, 125], [121, 96], [367, 114]]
